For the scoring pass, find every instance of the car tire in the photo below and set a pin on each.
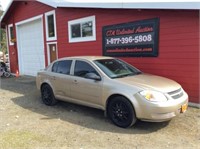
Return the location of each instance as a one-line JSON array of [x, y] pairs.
[[47, 94], [121, 112], [7, 74]]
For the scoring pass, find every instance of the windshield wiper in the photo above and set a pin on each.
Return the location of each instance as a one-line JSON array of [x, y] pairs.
[[126, 75]]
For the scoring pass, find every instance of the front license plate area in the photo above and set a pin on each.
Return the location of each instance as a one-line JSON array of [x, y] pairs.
[[184, 108]]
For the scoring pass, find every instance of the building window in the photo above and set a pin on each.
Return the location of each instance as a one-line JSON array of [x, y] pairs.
[[83, 29], [50, 20], [51, 29], [11, 34]]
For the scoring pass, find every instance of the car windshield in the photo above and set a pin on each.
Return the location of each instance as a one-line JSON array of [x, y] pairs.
[[115, 68]]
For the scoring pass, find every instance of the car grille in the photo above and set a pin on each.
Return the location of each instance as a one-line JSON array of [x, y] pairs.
[[176, 94]]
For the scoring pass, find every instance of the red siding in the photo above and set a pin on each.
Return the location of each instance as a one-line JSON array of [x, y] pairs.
[[178, 39], [178, 42]]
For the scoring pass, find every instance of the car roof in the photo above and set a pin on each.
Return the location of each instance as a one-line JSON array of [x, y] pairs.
[[90, 58]]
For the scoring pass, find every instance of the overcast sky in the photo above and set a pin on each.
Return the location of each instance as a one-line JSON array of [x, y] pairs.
[[4, 3]]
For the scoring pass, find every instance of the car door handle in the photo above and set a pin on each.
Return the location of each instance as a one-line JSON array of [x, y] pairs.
[[75, 82], [53, 77]]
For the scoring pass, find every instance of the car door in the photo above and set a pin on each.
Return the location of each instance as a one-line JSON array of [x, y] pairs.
[[84, 89], [60, 78]]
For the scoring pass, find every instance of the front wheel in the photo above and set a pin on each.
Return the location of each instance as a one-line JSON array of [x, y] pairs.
[[121, 112], [47, 95]]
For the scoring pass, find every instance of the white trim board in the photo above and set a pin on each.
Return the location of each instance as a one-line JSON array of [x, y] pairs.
[[46, 25], [80, 21], [29, 20], [8, 48], [9, 35]]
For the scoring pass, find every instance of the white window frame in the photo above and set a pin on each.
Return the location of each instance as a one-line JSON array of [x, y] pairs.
[[46, 25], [9, 35], [79, 21], [8, 49]]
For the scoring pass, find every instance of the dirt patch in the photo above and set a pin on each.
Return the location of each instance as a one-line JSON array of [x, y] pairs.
[[25, 122]]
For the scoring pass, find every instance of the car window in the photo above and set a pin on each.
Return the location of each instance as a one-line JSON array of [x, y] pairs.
[[82, 68], [54, 67], [62, 67], [116, 68]]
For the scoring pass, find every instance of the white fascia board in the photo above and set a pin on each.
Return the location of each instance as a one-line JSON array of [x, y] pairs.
[[131, 4], [52, 3], [126, 5], [163, 5], [90, 5]]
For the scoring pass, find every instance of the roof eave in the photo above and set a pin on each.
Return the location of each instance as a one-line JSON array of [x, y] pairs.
[[165, 5], [5, 12], [133, 5], [116, 5], [49, 3], [52, 4]]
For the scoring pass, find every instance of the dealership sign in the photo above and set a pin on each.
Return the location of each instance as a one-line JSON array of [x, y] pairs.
[[138, 38]]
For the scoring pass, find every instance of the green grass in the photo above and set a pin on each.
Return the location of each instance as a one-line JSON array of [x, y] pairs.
[[22, 139]]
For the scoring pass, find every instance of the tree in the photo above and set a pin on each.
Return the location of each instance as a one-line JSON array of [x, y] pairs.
[[3, 43]]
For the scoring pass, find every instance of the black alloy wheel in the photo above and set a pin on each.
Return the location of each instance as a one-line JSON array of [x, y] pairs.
[[47, 95], [121, 112]]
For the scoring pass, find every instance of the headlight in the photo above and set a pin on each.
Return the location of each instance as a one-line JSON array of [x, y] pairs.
[[153, 96]]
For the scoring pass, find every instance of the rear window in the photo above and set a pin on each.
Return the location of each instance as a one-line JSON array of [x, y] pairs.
[[62, 67], [54, 68]]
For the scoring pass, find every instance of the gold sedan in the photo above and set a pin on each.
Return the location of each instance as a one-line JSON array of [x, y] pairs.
[[121, 90]]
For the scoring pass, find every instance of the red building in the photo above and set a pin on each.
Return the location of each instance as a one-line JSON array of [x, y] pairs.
[[42, 31]]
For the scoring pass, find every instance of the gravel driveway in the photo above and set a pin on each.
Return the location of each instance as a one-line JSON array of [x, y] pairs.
[[25, 122]]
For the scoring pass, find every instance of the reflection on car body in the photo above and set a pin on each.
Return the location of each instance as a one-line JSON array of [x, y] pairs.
[[121, 90]]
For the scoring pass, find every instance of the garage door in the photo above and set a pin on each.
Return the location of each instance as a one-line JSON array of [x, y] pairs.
[[30, 47]]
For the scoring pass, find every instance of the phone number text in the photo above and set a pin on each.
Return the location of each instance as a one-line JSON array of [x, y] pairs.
[[129, 39]]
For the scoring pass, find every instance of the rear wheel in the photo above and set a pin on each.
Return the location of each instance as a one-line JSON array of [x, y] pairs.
[[7, 74], [121, 112], [47, 95]]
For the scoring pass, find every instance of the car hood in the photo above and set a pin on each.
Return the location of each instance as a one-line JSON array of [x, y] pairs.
[[151, 82]]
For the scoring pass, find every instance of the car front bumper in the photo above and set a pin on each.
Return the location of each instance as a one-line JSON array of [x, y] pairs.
[[160, 111]]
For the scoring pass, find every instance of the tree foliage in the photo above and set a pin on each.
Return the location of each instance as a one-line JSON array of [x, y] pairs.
[[3, 43]]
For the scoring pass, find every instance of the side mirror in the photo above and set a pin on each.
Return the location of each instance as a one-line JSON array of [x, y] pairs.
[[93, 76]]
